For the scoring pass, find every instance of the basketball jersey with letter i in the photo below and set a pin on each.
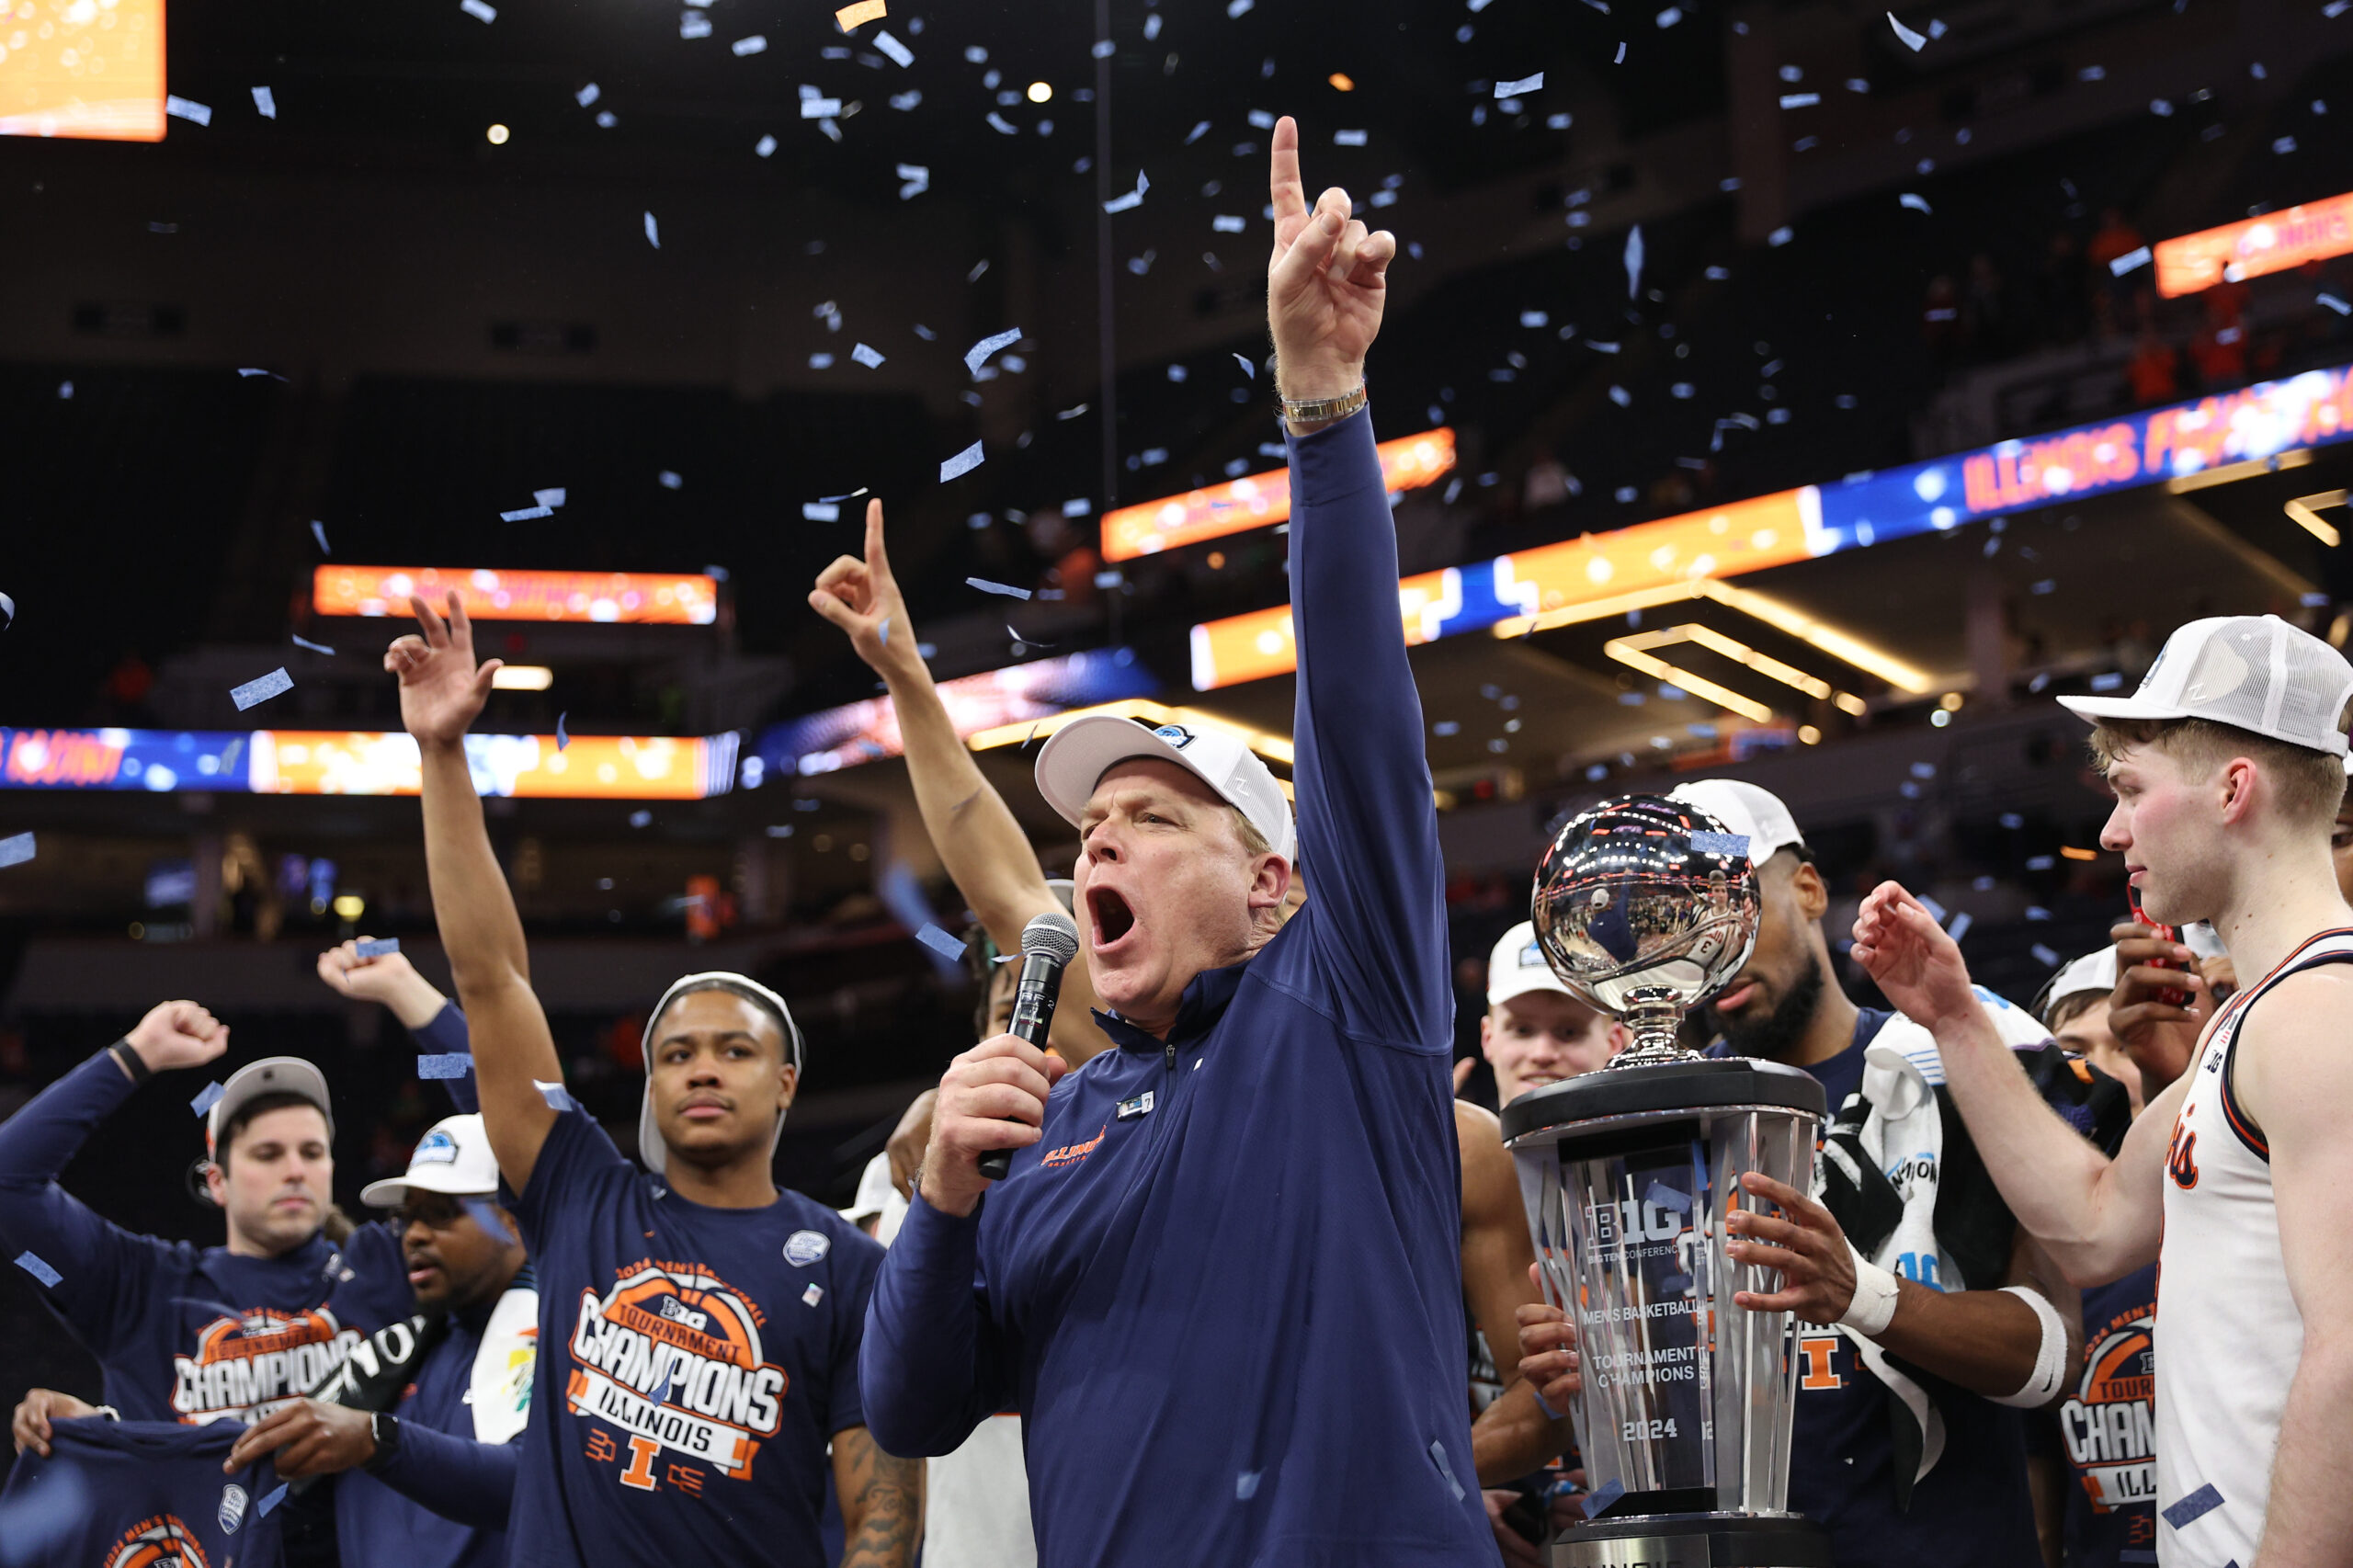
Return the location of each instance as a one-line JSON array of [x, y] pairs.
[[2228, 1332]]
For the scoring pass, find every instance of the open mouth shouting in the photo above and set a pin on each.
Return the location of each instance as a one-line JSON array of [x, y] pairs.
[[1113, 921]]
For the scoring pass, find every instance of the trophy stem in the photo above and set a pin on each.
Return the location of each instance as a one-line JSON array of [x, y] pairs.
[[1653, 1015]]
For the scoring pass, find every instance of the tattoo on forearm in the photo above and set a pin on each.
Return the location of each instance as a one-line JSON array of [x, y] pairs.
[[882, 1503]]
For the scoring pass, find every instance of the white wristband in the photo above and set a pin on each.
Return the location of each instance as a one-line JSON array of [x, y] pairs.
[[2050, 1357], [1873, 1307]]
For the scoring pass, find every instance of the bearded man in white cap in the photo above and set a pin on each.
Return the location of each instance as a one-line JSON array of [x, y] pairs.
[[431, 1477], [1928, 1321], [2228, 768], [700, 1327]]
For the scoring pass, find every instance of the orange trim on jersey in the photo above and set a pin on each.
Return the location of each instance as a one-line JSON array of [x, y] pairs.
[[2244, 1126]]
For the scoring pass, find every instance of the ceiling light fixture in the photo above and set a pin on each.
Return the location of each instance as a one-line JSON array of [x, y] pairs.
[[1040, 91], [2305, 510], [1622, 648], [521, 677], [2230, 474], [497, 134]]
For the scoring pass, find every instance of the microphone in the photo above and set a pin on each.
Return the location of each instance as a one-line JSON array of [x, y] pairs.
[[1047, 942]]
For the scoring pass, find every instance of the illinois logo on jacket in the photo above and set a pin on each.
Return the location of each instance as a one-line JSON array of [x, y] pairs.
[[671, 1358], [243, 1367]]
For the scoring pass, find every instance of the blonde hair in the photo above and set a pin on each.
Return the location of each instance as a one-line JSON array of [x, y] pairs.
[[2310, 784]]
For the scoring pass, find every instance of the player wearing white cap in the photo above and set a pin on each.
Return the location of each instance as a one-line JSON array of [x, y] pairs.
[[431, 1478], [2099, 1441], [1535, 1030], [2228, 770], [1927, 1320], [701, 1327]]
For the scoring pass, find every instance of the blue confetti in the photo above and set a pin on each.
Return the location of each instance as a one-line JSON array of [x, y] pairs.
[[314, 647], [1525, 85], [376, 948], [524, 514], [1246, 1486], [16, 850], [1666, 1197], [318, 532], [1438, 1452], [485, 1214], [2195, 1507], [962, 463], [1595, 1502], [445, 1065], [556, 1095], [265, 103], [940, 942], [205, 1098], [1719, 844], [653, 232], [262, 688], [562, 739], [272, 1498], [31, 1264], [1248, 369], [988, 587], [979, 352]]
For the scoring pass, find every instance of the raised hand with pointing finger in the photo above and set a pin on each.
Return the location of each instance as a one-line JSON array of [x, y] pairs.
[[862, 598], [1327, 282]]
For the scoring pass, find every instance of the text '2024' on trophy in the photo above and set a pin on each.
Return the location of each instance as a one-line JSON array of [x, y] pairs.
[[1645, 907]]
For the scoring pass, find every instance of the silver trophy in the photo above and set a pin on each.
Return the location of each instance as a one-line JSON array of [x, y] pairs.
[[1645, 907]]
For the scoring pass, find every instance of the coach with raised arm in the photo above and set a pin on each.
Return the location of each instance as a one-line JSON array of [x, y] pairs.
[[1220, 1282]]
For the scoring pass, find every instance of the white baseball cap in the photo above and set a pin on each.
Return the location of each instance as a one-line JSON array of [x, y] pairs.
[[2094, 971], [652, 1152], [2251, 672], [270, 1075], [453, 1157], [1518, 966], [1075, 757], [1745, 810]]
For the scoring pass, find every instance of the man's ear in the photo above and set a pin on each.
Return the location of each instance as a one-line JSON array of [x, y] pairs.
[[2236, 785], [216, 1184], [1811, 891], [791, 1084], [1269, 880], [1487, 1035]]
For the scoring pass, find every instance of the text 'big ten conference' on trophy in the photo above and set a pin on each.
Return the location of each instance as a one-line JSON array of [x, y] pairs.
[[1646, 906]]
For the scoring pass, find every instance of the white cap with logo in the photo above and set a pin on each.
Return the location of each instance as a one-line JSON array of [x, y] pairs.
[[1746, 811], [452, 1157], [1517, 967], [2251, 672], [1075, 757]]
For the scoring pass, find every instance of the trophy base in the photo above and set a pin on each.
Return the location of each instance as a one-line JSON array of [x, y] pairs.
[[1694, 1540]]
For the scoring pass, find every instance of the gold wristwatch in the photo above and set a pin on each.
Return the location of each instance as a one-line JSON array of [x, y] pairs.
[[1325, 408]]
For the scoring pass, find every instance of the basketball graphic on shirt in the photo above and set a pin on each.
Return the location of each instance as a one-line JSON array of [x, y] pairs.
[[160, 1543], [670, 1357], [243, 1367], [2108, 1422]]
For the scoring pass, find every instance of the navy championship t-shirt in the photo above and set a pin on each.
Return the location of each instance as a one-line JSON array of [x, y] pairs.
[[694, 1365], [2108, 1429], [140, 1495]]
